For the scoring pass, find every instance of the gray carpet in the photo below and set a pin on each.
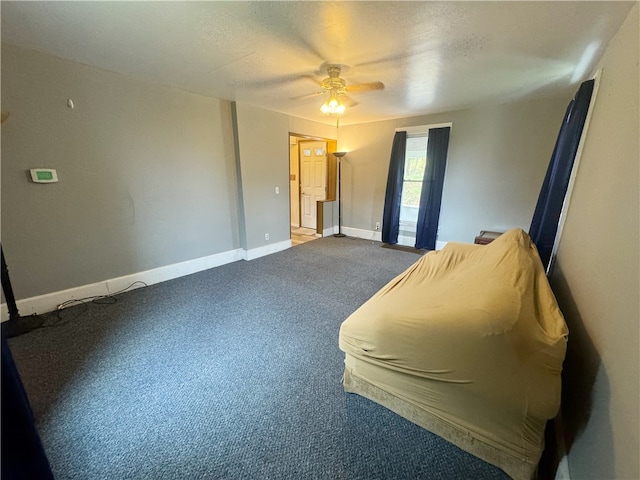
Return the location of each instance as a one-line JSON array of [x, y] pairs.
[[231, 373]]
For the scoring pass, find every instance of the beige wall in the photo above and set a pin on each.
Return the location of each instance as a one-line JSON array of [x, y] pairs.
[[497, 159], [312, 129], [263, 143], [596, 278], [147, 174]]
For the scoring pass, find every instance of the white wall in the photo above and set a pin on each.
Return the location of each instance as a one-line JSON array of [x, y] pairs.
[[497, 159], [596, 277]]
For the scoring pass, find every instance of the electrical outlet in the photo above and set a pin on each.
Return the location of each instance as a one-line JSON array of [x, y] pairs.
[[266, 236], [277, 190], [377, 225]]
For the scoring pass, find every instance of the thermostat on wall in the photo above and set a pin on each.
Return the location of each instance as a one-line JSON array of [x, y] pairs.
[[43, 175]]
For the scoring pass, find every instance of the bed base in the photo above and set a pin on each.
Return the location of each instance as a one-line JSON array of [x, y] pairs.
[[515, 467]]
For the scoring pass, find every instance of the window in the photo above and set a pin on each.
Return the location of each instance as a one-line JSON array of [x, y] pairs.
[[415, 162], [414, 186]]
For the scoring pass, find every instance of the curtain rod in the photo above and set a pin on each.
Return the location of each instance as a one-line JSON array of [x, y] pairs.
[[423, 128]]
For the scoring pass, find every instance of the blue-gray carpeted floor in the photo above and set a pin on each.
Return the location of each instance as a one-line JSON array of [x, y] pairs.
[[231, 373]]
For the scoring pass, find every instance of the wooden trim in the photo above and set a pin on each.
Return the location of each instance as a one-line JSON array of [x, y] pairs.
[[319, 216], [574, 170], [332, 175]]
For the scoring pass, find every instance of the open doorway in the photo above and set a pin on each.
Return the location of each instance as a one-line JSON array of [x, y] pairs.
[[312, 182]]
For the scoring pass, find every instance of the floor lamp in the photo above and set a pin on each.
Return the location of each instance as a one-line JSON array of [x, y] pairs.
[[339, 156]]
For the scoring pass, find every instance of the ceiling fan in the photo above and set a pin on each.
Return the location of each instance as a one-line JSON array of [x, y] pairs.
[[337, 90]]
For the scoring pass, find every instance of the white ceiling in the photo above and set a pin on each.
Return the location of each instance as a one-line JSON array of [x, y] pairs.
[[431, 56]]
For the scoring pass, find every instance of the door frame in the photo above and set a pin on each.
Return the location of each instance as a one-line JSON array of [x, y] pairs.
[[332, 172]]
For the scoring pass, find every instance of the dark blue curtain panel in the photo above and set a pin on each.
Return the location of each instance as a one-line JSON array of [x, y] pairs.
[[23, 457], [544, 224], [431, 195], [391, 213]]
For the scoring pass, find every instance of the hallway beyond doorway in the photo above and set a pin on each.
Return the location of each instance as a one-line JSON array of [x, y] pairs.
[[302, 235]]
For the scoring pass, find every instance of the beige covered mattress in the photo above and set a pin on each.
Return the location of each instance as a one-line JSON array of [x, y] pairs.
[[468, 343]]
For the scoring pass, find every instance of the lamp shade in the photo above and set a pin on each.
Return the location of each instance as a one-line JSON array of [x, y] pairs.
[[333, 106]]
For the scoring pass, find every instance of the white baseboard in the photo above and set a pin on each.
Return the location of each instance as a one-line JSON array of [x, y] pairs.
[[364, 234], [50, 301], [327, 232], [376, 235], [265, 250]]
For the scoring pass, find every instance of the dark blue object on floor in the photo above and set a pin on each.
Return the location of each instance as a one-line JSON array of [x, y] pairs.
[[23, 457]]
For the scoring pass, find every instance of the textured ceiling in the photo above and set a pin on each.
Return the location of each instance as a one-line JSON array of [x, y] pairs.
[[431, 56]]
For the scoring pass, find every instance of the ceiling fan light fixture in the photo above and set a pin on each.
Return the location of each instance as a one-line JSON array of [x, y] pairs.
[[333, 106]]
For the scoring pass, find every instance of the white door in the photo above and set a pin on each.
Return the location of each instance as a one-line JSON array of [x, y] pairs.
[[313, 180]]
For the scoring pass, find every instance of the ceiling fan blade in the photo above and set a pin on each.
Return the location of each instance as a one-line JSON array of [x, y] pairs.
[[348, 101], [308, 95], [365, 87], [313, 79]]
